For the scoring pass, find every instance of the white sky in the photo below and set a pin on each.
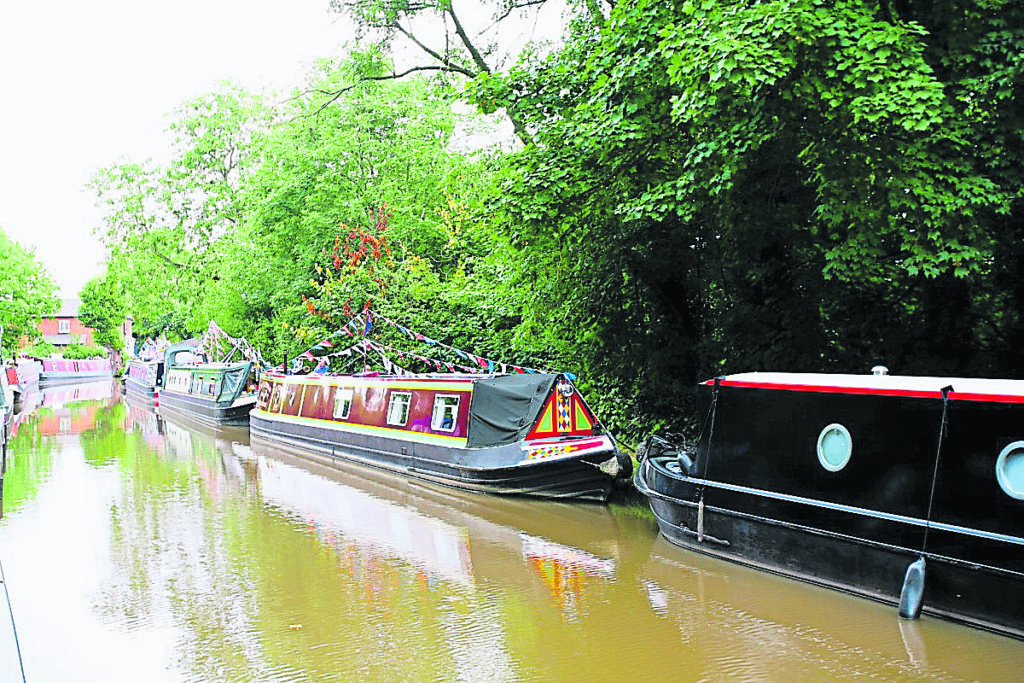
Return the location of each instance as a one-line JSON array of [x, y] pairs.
[[88, 84]]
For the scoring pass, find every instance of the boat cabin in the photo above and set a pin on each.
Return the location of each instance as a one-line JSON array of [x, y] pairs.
[[469, 410]]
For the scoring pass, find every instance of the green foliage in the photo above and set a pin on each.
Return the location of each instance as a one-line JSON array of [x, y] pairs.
[[716, 186], [80, 351], [26, 293], [319, 179], [164, 227], [708, 186], [40, 348], [104, 310]]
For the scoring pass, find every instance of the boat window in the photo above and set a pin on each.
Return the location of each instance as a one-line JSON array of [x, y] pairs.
[[446, 410], [1010, 470], [197, 382], [342, 404], [275, 400], [835, 446], [263, 399], [398, 408]]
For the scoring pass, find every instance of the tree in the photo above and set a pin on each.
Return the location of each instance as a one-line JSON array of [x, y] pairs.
[[104, 310], [162, 224], [776, 185], [27, 293], [324, 174], [471, 41]]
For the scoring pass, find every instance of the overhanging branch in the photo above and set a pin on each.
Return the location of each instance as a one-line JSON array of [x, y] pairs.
[[334, 95]]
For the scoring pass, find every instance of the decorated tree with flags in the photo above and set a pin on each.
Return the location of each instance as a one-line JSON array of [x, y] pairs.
[[357, 269]]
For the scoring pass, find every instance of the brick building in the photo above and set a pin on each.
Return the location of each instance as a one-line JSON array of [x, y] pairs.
[[64, 327]]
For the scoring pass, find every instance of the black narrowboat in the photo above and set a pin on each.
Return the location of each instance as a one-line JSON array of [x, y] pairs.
[[907, 490]]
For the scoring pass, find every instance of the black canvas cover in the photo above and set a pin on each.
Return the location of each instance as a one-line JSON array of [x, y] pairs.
[[504, 409]]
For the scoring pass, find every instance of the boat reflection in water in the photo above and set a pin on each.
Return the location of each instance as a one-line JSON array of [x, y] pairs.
[[739, 623], [65, 409], [380, 574], [142, 417], [444, 535], [699, 617], [50, 418]]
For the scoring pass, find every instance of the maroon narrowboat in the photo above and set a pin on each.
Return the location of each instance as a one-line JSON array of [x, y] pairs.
[[529, 434]]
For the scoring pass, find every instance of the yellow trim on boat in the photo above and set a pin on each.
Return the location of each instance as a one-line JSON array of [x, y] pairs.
[[373, 430], [348, 381]]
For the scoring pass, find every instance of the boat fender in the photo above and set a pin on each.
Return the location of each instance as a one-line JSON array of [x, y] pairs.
[[912, 594], [700, 519], [685, 462], [641, 451], [609, 467], [625, 465]]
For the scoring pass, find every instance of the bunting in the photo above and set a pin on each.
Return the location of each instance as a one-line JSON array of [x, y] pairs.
[[363, 323], [221, 346], [490, 365]]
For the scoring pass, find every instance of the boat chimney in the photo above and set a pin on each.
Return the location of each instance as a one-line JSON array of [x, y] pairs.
[[879, 370]]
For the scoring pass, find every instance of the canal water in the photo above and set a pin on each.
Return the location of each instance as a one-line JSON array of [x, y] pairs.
[[136, 547]]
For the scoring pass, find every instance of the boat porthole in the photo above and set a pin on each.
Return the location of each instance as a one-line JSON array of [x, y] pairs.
[[1010, 470], [835, 446]]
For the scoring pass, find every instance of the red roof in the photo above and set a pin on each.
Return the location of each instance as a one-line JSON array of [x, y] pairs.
[[964, 388]]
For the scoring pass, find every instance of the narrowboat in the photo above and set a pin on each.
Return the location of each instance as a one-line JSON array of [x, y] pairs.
[[21, 377], [209, 393], [907, 490], [142, 378], [10, 380], [523, 434], [60, 371], [6, 418]]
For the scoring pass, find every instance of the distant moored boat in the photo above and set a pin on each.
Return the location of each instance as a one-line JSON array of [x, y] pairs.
[[61, 371], [211, 393]]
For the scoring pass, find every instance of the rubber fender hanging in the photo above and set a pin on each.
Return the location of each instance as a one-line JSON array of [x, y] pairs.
[[625, 465], [686, 461], [912, 594]]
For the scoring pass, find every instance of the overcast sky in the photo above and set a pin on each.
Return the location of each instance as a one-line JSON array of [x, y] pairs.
[[88, 84]]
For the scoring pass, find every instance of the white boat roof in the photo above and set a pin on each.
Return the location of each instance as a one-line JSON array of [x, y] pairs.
[[210, 366], [964, 388]]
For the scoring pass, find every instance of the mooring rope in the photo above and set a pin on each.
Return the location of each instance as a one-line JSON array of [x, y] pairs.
[[710, 423], [14, 628], [943, 427]]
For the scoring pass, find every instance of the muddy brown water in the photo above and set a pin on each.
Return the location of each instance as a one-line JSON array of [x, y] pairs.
[[138, 547]]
